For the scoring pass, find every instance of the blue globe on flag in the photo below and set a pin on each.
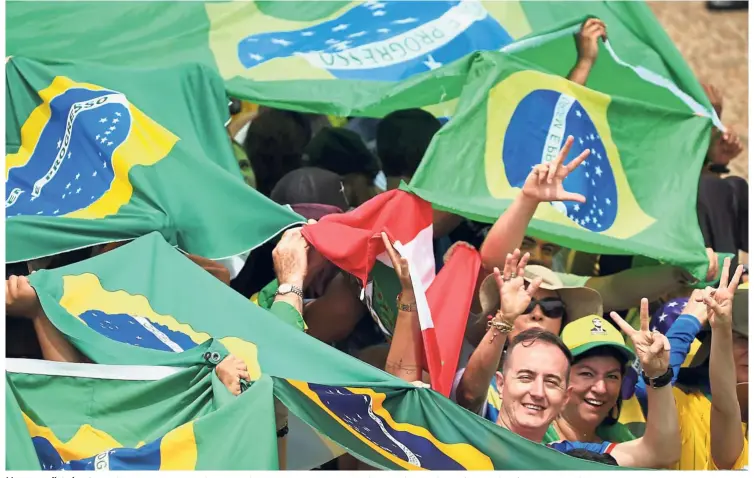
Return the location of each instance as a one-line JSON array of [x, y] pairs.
[[71, 166], [357, 411], [539, 127], [137, 331], [386, 41]]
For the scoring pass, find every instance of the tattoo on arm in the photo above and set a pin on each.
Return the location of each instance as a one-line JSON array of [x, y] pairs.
[[394, 367]]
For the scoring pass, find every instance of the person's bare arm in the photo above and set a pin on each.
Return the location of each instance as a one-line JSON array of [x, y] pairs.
[[21, 300], [660, 446], [727, 439], [587, 45], [622, 290], [404, 359], [508, 231], [544, 184], [472, 389], [55, 346], [514, 298]]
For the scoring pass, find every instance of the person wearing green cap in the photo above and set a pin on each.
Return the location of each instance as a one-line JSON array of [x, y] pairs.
[[600, 358]]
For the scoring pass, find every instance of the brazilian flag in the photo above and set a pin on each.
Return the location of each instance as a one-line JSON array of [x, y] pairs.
[[98, 154], [363, 58], [120, 313], [106, 417], [639, 180]]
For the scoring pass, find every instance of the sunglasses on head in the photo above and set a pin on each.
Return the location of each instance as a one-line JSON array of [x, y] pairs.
[[552, 307]]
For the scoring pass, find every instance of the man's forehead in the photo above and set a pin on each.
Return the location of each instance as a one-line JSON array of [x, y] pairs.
[[539, 357]]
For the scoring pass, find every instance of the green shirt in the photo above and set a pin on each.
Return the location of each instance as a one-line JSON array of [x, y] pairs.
[[265, 298]]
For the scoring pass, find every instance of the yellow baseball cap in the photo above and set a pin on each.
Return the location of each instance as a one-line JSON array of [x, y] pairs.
[[593, 331]]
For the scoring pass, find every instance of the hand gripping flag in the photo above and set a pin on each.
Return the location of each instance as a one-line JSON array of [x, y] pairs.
[[99, 154], [352, 242]]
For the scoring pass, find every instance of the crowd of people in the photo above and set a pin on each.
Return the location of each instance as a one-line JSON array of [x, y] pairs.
[[557, 342]]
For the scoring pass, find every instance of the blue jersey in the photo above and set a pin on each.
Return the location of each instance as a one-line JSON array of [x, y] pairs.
[[565, 446]]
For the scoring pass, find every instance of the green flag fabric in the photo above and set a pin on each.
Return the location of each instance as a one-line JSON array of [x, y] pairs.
[[338, 57], [105, 417], [99, 154], [639, 180], [19, 449], [118, 311]]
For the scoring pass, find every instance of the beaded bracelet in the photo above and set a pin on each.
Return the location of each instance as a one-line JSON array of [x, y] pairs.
[[405, 307]]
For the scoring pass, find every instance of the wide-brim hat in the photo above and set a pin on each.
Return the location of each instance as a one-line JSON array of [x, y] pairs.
[[740, 325], [578, 301], [587, 333]]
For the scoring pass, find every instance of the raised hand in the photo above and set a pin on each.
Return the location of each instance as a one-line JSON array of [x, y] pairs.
[[720, 300], [400, 265], [514, 296], [724, 147], [20, 298], [545, 182], [586, 40], [652, 348]]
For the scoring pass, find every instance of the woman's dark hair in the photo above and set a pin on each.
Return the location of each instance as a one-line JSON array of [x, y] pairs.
[[607, 351], [274, 145], [402, 139]]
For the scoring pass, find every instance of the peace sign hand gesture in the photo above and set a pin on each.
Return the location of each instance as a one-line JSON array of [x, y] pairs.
[[720, 300], [545, 182], [652, 348], [514, 297]]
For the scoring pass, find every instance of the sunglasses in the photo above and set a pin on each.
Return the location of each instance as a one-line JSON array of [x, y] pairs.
[[552, 307]]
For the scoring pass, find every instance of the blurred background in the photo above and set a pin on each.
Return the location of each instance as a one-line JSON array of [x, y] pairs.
[[715, 44]]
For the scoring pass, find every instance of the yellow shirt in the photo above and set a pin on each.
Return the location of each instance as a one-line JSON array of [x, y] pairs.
[[694, 416]]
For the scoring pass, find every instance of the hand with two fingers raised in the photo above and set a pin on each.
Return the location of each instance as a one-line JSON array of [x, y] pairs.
[[651, 347]]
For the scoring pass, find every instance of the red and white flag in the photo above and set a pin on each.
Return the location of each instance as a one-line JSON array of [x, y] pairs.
[[352, 242]]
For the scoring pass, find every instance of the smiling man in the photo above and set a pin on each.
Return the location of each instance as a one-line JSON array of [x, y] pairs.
[[535, 379], [534, 390]]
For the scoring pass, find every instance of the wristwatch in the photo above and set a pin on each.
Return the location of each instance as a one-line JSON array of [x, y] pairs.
[[284, 289], [661, 381]]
